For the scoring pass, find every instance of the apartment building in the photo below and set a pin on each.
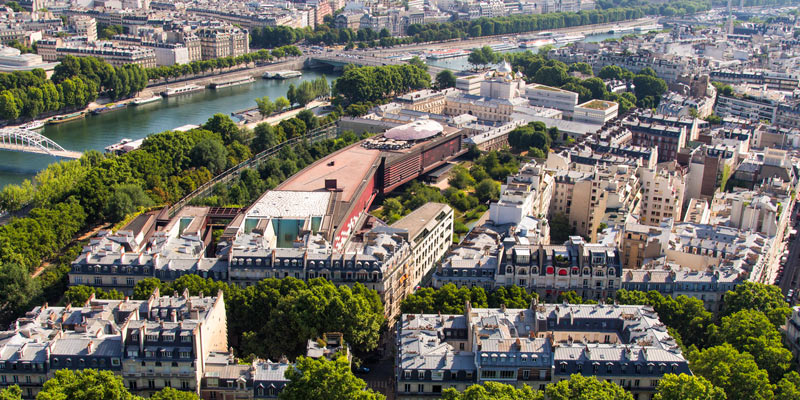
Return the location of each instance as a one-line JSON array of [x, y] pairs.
[[534, 346], [426, 100], [160, 342], [578, 195], [525, 194], [670, 279], [85, 26], [668, 139], [640, 243], [662, 195], [756, 108], [114, 54], [217, 42]]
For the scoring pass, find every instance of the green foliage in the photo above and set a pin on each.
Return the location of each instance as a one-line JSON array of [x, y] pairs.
[[534, 135], [686, 315], [368, 84], [483, 56], [723, 89], [127, 199], [789, 387], [580, 387], [18, 287], [649, 86], [736, 373], [572, 297], [687, 387], [14, 6], [308, 91], [758, 296], [750, 331], [493, 391], [445, 79], [169, 393], [276, 317], [12, 392], [265, 106], [560, 228], [450, 299], [460, 178], [78, 295], [75, 83], [87, 384], [325, 379], [487, 190]]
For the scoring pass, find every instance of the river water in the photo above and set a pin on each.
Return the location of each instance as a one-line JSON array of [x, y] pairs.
[[95, 132]]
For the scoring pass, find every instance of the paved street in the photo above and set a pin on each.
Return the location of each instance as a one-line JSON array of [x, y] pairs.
[[790, 272]]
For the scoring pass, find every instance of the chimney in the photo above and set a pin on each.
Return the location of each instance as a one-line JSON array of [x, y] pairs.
[[90, 347], [173, 316]]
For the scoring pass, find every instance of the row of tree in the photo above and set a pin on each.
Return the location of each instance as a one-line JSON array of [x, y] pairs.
[[462, 29], [75, 83], [204, 66], [369, 84]]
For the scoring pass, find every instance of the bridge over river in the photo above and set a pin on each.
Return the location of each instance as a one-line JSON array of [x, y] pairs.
[[26, 141]]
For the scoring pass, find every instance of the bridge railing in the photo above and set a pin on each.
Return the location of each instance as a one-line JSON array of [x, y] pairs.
[[233, 172]]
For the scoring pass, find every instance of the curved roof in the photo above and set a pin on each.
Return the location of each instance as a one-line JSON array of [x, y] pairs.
[[504, 68], [417, 130]]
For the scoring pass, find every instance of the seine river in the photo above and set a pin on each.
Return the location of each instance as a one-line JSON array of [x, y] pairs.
[[95, 132]]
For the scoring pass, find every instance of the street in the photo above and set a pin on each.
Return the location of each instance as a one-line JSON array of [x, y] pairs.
[[790, 268]]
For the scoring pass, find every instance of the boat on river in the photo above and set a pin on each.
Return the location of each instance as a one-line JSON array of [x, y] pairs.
[[186, 89], [281, 74], [60, 119], [33, 125], [141, 101], [232, 82], [108, 107]]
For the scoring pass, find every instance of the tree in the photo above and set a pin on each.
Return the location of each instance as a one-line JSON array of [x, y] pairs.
[[460, 178], [18, 287], [169, 393], [281, 103], [418, 62], [687, 387], [12, 392], [291, 94], [581, 387], [788, 388], [487, 189], [551, 76], [493, 391], [211, 154], [224, 125], [265, 106], [648, 85], [751, 331], [560, 228], [736, 373], [324, 379], [125, 200], [445, 79], [758, 296], [87, 384], [78, 295], [483, 57], [582, 67]]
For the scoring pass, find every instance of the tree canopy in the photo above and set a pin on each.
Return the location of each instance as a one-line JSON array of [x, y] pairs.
[[325, 379], [687, 387]]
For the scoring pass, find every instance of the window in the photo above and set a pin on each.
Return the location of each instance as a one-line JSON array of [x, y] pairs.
[[407, 388], [420, 374], [98, 281], [408, 374], [508, 374], [420, 388], [151, 383]]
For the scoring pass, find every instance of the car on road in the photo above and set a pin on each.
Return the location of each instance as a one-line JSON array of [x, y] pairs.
[[361, 370]]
